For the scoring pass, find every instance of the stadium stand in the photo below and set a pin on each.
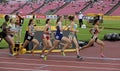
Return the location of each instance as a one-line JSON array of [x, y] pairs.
[[50, 6], [61, 7], [100, 7], [72, 8], [6, 8]]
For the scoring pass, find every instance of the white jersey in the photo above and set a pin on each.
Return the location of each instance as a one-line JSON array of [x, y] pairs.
[[80, 16], [60, 24], [12, 27]]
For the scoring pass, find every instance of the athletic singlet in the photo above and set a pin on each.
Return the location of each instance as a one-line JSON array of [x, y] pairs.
[[94, 31], [58, 33], [31, 36], [72, 34], [12, 28], [32, 30], [47, 35]]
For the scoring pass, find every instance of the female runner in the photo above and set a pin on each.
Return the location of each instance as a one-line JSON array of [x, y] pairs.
[[72, 35], [30, 36], [95, 32], [46, 37]]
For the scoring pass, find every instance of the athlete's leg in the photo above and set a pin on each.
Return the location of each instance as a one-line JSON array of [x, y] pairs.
[[102, 47], [45, 42], [25, 43], [67, 43], [10, 42], [77, 46], [50, 43], [88, 45], [55, 45], [36, 44]]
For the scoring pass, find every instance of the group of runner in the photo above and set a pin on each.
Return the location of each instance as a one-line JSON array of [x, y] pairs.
[[7, 33]]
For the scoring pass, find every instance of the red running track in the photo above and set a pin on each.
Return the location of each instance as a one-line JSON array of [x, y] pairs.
[[56, 62]]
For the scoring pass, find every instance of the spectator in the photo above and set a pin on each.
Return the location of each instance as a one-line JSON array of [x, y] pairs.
[[80, 17]]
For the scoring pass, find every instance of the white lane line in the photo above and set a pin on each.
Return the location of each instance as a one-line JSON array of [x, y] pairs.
[[61, 66], [84, 67], [41, 67], [10, 68], [64, 61], [23, 63], [85, 57]]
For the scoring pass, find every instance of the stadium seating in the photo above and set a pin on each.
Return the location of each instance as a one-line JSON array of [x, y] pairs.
[[72, 8], [8, 8], [29, 8], [116, 12], [100, 7], [50, 6]]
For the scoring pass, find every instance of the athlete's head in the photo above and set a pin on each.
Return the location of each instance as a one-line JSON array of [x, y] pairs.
[[31, 21], [7, 17], [18, 13], [47, 21], [71, 18], [96, 21], [59, 19], [11, 21]]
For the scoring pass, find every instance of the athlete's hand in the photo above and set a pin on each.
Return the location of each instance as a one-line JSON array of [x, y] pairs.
[[102, 28]]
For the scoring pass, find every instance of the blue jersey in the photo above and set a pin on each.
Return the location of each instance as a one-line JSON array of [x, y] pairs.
[[59, 33]]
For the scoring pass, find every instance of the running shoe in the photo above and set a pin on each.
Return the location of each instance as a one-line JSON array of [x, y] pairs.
[[45, 58], [102, 55], [63, 53], [79, 57], [32, 52], [42, 56]]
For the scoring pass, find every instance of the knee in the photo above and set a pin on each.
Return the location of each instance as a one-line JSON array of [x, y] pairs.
[[69, 43], [37, 43], [12, 44], [52, 48]]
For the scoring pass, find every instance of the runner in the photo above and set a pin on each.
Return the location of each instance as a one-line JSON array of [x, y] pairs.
[[95, 32], [30, 36], [72, 35], [5, 34], [46, 37]]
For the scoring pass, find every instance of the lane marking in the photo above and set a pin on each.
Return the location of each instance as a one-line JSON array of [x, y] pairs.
[[23, 63], [85, 57], [41, 67], [63, 66], [64, 61], [10, 68]]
